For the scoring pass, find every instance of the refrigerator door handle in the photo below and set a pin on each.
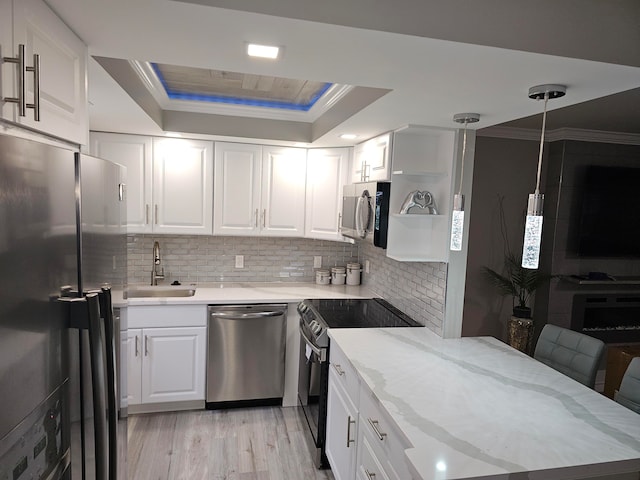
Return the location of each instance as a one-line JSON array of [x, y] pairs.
[[98, 384], [106, 309]]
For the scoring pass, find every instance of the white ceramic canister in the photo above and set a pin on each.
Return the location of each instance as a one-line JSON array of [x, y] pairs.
[[338, 275], [323, 277], [353, 273]]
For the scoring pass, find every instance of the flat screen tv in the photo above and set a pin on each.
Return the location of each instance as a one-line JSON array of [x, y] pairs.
[[609, 224]]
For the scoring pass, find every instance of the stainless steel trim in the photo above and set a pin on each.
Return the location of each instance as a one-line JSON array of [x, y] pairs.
[[320, 352], [349, 422], [241, 316], [374, 424], [36, 87], [21, 98]]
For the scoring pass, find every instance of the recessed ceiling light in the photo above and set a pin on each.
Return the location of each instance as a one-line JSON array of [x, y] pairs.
[[348, 136], [263, 51]]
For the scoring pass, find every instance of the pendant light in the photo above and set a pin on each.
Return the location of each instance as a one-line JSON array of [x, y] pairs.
[[533, 224], [457, 218]]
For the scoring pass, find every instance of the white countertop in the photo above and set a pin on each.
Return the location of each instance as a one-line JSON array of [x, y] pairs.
[[480, 409], [227, 293]]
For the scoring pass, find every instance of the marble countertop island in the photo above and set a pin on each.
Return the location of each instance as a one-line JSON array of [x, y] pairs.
[[475, 408]]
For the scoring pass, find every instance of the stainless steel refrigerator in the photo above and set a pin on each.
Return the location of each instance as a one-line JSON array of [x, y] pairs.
[[62, 250]]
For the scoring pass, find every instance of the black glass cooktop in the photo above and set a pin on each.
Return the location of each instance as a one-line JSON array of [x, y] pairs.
[[360, 313]]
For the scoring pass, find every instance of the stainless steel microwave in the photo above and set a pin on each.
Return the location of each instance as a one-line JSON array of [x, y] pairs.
[[365, 212]]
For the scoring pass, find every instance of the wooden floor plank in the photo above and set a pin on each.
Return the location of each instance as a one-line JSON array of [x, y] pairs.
[[262, 443]]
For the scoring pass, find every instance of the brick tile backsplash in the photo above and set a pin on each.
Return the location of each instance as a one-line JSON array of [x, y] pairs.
[[416, 288]]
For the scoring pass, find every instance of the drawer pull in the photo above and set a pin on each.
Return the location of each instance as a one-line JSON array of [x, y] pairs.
[[370, 475], [349, 422], [137, 350], [375, 425], [338, 369]]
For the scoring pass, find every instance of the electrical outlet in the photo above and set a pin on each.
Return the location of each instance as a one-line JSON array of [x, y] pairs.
[[366, 266], [239, 261], [317, 261]]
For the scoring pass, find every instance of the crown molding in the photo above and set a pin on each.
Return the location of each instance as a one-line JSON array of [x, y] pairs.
[[577, 134]]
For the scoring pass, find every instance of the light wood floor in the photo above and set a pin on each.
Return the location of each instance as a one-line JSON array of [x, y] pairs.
[[262, 443]]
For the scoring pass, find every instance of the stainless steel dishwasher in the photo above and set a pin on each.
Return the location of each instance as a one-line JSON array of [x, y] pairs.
[[245, 354]]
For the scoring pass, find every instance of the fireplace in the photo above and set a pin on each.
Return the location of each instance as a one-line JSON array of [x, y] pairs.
[[613, 318]]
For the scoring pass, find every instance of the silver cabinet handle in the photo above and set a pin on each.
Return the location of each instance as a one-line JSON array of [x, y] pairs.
[[264, 218], [370, 475], [21, 98], [137, 350], [36, 87], [146, 345], [349, 422], [376, 428], [156, 213], [338, 369], [146, 214], [256, 222], [339, 220]]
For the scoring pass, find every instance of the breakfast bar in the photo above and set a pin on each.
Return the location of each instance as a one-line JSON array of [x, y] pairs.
[[476, 408]]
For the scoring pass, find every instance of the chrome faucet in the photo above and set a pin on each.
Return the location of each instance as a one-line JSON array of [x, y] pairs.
[[157, 271]]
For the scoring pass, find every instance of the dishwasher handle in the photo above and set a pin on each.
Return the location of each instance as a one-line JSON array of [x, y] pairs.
[[242, 316]]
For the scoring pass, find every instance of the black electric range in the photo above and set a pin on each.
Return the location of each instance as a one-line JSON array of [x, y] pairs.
[[316, 317]]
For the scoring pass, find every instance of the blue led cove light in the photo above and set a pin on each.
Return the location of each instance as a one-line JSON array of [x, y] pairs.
[[178, 95]]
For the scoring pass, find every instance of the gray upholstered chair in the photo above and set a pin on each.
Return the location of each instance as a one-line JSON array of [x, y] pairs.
[[629, 393], [574, 354]]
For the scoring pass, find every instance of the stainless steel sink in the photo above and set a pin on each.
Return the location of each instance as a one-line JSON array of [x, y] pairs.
[[141, 292]]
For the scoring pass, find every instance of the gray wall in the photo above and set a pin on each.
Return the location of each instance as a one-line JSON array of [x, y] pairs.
[[503, 167]]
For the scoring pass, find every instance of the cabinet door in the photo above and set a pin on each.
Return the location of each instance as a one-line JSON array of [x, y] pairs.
[[174, 364], [326, 175], [135, 153], [7, 70], [342, 430], [283, 191], [372, 160], [132, 349], [63, 71], [182, 186], [237, 189]]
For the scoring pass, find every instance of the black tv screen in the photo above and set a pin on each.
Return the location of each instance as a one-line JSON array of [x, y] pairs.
[[610, 213]]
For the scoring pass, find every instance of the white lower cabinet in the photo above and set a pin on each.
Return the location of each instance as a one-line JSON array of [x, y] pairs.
[[166, 364], [363, 442], [342, 430]]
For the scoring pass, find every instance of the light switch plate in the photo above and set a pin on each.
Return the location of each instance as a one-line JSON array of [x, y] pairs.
[[239, 261], [317, 261]]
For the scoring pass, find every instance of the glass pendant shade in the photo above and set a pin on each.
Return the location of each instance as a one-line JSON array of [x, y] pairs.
[[457, 223], [533, 232]]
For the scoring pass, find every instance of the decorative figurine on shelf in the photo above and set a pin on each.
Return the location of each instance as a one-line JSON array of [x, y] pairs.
[[422, 199]]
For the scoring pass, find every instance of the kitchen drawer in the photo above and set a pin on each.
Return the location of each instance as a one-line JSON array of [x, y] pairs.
[[385, 437], [158, 316], [346, 374], [369, 465]]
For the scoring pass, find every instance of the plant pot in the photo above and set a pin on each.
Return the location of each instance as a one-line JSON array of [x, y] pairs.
[[520, 334], [522, 312]]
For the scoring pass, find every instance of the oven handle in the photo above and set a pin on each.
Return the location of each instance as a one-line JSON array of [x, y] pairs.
[[320, 352]]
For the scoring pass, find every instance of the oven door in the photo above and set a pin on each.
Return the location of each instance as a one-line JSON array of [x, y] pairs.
[[312, 390]]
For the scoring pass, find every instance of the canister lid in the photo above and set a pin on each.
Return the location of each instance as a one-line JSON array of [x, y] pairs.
[[338, 269]]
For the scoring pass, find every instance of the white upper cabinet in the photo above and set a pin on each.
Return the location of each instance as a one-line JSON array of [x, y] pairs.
[[283, 191], [259, 190], [237, 189], [182, 186], [136, 153], [327, 170], [372, 160], [62, 72], [169, 185]]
